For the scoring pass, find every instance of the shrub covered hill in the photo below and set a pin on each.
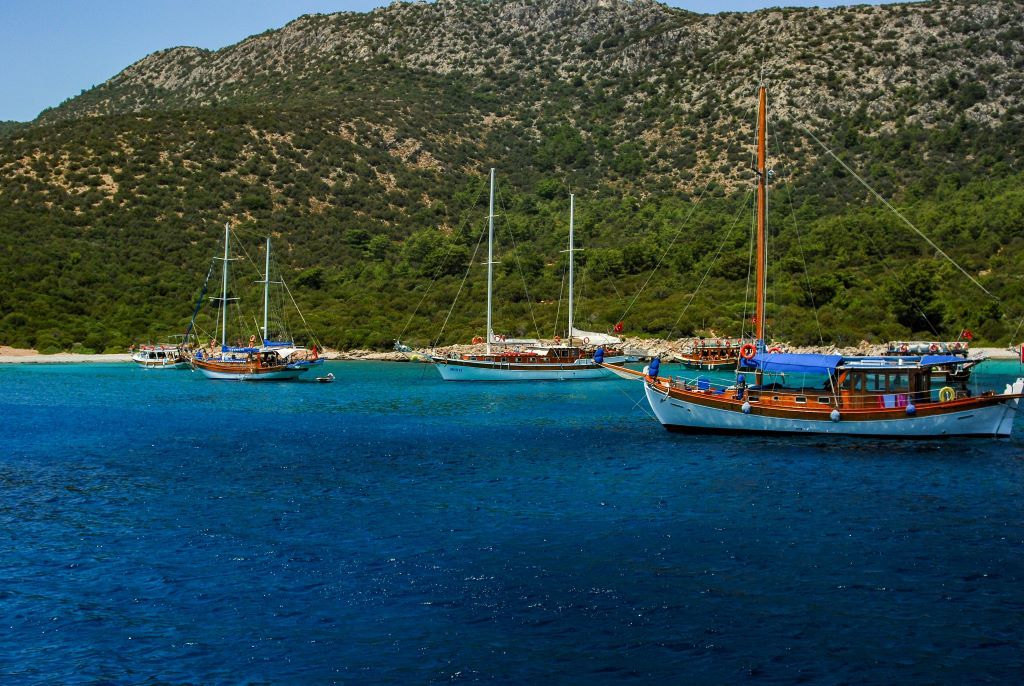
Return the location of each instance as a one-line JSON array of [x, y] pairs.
[[362, 142]]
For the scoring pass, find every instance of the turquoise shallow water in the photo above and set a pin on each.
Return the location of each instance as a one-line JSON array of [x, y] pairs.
[[391, 528]]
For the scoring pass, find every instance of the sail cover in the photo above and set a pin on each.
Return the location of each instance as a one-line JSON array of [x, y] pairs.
[[803, 363], [595, 338]]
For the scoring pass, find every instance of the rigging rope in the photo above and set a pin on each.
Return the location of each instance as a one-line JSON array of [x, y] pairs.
[[519, 264], [440, 267], [800, 244], [721, 247], [664, 254], [558, 308], [897, 213], [465, 276], [750, 269]]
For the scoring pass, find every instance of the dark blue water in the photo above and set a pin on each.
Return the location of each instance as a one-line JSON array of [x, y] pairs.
[[390, 528]]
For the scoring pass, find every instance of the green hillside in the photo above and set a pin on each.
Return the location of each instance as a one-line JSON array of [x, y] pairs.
[[362, 142]]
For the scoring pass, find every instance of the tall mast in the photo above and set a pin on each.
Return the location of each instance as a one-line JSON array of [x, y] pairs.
[[266, 290], [224, 291], [762, 259], [490, 262], [572, 259]]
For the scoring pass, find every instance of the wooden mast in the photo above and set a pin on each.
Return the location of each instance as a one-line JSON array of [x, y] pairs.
[[572, 258], [490, 262], [762, 259]]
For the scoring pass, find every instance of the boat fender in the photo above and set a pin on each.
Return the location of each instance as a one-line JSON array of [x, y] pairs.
[[599, 355], [946, 394], [746, 407], [834, 415], [911, 409], [652, 369], [748, 351]]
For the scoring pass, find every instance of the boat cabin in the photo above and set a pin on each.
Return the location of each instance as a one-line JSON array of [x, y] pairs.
[[859, 383]]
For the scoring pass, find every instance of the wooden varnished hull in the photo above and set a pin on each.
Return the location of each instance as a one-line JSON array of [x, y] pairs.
[[682, 410], [247, 371], [486, 370]]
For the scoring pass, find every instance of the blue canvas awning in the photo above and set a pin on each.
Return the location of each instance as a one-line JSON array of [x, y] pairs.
[[802, 363]]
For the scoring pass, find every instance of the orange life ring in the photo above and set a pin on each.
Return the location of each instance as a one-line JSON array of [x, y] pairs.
[[748, 351], [558, 339], [728, 344], [956, 347], [775, 349], [933, 348], [477, 340], [904, 348]]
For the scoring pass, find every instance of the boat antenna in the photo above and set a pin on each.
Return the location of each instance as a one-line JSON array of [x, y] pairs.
[[897, 213]]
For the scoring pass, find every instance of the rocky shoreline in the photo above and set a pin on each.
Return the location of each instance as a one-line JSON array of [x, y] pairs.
[[644, 348]]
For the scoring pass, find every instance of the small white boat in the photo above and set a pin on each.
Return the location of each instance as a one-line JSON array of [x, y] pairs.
[[160, 357], [326, 379]]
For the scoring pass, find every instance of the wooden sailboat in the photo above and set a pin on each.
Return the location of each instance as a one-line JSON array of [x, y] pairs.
[[712, 354], [263, 359], [529, 363], [911, 396]]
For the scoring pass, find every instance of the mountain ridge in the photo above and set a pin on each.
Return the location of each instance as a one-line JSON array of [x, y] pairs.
[[362, 139]]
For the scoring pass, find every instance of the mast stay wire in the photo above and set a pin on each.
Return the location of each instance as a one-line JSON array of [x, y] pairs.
[[440, 267], [898, 213], [519, 264], [886, 266], [714, 261], [799, 241], [664, 254], [462, 284]]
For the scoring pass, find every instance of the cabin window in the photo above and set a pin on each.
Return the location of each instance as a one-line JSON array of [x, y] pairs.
[[775, 398], [753, 397], [854, 382], [825, 400], [800, 399], [898, 382]]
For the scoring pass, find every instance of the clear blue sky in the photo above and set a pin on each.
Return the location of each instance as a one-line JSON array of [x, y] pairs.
[[51, 50]]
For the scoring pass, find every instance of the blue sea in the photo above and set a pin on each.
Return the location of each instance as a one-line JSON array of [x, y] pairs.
[[391, 528]]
